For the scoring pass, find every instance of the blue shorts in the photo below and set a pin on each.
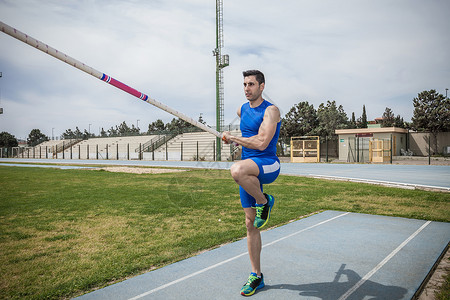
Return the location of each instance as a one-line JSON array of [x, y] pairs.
[[269, 169]]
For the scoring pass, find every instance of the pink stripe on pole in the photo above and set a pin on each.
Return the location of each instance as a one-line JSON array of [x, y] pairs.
[[124, 87]]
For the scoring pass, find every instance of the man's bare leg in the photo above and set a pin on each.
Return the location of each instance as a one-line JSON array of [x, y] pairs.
[[254, 243], [245, 173]]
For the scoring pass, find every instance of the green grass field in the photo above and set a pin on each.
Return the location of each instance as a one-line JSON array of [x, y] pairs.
[[66, 232]]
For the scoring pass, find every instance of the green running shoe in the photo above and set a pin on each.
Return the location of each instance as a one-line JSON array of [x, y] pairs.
[[253, 284], [263, 212]]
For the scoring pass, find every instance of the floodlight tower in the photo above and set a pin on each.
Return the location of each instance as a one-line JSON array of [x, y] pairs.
[[221, 62]]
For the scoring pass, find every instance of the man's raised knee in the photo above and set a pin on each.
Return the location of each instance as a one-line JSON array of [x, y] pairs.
[[236, 172]]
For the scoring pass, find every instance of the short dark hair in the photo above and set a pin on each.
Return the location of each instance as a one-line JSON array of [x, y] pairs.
[[258, 75]]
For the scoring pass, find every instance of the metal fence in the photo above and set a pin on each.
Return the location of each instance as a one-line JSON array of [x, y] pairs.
[[200, 151]]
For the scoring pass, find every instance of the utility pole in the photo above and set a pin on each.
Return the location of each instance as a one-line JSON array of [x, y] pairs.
[[222, 61]]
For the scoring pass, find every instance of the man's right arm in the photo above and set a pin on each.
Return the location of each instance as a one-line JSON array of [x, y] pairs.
[[265, 134]]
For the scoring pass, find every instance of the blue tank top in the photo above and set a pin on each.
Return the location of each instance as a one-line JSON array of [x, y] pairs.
[[251, 119]]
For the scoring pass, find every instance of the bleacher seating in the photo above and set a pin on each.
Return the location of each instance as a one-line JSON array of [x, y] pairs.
[[187, 146], [50, 143], [109, 147], [184, 147], [45, 149]]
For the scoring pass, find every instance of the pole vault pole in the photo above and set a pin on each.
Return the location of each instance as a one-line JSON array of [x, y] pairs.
[[102, 76]]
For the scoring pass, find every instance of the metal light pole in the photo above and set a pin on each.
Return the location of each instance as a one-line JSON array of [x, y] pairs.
[[222, 61], [90, 130], [445, 91]]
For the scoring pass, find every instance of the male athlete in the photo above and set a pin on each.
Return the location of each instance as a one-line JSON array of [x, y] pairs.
[[260, 127]]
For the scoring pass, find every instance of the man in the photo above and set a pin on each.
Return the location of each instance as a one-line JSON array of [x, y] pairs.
[[260, 127]]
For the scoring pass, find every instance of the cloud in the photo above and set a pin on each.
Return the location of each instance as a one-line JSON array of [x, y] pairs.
[[377, 53]]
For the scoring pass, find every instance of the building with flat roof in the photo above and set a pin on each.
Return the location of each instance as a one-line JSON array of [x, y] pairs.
[[354, 144]]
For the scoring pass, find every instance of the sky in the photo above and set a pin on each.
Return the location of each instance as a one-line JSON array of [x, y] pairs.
[[355, 52]]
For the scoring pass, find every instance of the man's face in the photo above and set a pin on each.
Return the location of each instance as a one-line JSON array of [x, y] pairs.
[[252, 88]]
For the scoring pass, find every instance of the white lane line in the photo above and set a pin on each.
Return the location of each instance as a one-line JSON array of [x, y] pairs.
[[381, 182], [230, 259], [382, 263], [186, 277], [300, 231]]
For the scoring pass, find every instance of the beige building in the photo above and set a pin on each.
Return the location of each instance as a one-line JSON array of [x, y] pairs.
[[355, 144]]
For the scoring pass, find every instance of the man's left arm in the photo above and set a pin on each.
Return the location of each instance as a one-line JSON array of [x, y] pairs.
[[265, 133]]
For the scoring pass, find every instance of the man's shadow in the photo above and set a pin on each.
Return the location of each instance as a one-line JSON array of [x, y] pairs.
[[340, 285]]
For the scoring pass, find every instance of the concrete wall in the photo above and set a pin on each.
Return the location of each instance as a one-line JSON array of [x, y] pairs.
[[418, 143]]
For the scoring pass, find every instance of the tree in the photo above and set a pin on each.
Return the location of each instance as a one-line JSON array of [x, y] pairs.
[[352, 123], [8, 140], [124, 130], [301, 120], [179, 126], [87, 135], [77, 134], [113, 131], [399, 122], [68, 135], [431, 113], [331, 118], [156, 126], [388, 118], [103, 133], [36, 137], [362, 122], [174, 125]]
